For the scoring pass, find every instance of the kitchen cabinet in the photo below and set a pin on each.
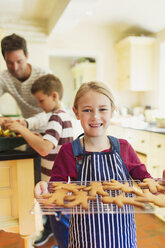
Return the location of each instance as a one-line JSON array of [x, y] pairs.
[[156, 156], [137, 138], [16, 193], [135, 60], [82, 73], [150, 148], [150, 144]]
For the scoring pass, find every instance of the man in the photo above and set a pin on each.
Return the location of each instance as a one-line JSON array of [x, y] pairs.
[[19, 77], [17, 80]]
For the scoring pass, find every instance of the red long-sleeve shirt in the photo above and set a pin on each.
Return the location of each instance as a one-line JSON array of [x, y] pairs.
[[65, 163]]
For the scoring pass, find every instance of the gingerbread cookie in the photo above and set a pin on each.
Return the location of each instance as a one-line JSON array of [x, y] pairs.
[[70, 187], [125, 187], [96, 188], [56, 197], [147, 196], [120, 200], [154, 186], [78, 198]]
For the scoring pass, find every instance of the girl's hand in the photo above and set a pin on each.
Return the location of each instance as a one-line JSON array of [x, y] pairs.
[[40, 188]]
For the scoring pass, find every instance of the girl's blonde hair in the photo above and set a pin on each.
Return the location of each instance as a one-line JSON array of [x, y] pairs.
[[95, 86]]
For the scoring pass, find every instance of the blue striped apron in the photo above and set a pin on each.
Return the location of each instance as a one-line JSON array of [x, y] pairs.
[[98, 230]]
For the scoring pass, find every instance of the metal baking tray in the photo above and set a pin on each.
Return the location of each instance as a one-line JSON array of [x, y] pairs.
[[97, 206]]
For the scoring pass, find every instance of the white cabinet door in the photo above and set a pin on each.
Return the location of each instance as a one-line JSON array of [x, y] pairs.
[[135, 60], [157, 146], [156, 155], [155, 166]]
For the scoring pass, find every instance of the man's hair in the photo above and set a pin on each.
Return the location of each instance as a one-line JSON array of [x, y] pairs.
[[47, 84], [12, 43]]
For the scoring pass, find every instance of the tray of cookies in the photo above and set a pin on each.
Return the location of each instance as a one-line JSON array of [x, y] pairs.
[[147, 196]]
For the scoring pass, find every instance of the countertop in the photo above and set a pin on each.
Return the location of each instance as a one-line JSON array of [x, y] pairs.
[[134, 122], [15, 154], [148, 128]]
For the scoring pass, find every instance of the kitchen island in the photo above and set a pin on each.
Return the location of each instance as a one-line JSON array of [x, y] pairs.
[[16, 192]]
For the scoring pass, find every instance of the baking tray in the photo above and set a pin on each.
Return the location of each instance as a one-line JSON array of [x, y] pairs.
[[97, 206]]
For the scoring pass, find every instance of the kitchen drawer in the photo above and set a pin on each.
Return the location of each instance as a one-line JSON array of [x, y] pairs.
[[138, 139], [141, 142], [157, 146], [8, 187]]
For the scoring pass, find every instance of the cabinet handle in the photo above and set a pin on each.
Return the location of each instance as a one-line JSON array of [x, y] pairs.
[[159, 146], [155, 166]]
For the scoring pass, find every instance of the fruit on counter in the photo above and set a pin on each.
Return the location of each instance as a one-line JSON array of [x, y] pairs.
[[7, 133]]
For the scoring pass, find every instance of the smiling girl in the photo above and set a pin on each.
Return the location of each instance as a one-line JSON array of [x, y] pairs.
[[98, 159]]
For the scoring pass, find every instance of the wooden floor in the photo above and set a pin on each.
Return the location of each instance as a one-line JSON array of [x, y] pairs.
[[150, 234], [150, 231]]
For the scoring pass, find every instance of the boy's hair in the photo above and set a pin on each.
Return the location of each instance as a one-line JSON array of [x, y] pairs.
[[12, 43], [94, 86], [47, 84]]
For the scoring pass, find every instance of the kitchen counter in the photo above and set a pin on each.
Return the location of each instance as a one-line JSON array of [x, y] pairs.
[[147, 128], [18, 154], [17, 192]]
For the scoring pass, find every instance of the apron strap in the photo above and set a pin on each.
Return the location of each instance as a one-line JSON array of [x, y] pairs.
[[115, 143], [77, 151]]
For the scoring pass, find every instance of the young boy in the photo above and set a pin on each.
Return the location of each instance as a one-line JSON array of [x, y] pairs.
[[48, 91]]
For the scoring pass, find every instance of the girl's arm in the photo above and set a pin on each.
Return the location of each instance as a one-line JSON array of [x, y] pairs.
[[43, 147]]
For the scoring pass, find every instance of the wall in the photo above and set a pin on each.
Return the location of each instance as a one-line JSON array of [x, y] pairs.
[[38, 53], [61, 67], [90, 40]]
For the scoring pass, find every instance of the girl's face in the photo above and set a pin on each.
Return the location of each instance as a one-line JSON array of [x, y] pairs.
[[47, 103], [94, 113]]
